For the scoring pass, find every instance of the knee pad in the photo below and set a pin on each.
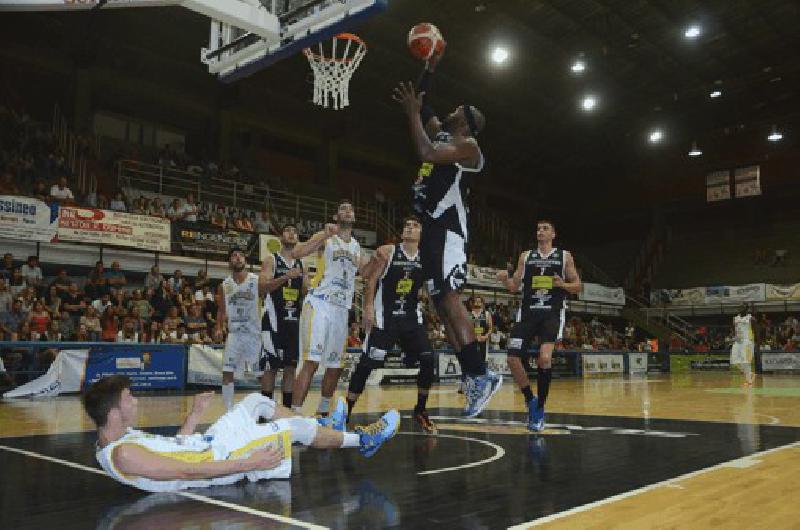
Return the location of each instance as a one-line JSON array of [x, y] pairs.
[[425, 377], [303, 430]]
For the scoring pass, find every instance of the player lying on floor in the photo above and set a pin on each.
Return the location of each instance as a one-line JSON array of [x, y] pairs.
[[233, 448]]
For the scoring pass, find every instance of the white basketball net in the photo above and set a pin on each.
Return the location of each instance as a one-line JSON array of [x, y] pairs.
[[333, 70]]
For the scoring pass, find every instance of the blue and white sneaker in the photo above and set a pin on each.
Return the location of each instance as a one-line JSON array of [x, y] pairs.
[[338, 419], [533, 405], [375, 434], [479, 390], [537, 419]]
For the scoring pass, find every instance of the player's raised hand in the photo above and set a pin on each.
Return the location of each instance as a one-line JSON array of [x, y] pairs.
[[266, 458], [201, 403], [294, 272], [331, 229], [405, 94]]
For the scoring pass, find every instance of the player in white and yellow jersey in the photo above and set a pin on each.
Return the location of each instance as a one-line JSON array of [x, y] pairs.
[[323, 320], [235, 447], [743, 344], [240, 313]]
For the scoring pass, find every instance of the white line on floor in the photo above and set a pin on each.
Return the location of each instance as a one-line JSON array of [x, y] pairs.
[[735, 463], [193, 496], [499, 452]]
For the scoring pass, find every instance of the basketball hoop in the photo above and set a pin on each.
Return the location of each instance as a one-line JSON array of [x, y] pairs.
[[333, 69]]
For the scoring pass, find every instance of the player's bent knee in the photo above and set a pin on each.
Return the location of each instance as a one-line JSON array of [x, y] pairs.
[[304, 430], [258, 406]]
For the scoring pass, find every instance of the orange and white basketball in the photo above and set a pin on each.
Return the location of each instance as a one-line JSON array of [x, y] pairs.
[[424, 40]]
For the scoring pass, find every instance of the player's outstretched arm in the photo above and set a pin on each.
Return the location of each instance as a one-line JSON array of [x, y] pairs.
[[201, 403], [513, 282], [301, 250], [133, 460]]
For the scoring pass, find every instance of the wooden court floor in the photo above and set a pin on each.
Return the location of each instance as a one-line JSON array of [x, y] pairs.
[[660, 451]]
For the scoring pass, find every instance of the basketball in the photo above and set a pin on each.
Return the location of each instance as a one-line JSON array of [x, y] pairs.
[[424, 40]]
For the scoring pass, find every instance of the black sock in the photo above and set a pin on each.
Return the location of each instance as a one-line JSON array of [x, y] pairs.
[[473, 361], [543, 377], [350, 404], [422, 402], [265, 393], [287, 400], [528, 393]]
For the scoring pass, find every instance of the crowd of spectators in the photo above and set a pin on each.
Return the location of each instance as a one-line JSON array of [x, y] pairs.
[[774, 332]]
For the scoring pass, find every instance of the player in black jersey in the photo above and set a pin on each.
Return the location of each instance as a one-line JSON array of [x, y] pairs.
[[392, 315], [451, 158], [546, 275], [280, 321], [482, 323]]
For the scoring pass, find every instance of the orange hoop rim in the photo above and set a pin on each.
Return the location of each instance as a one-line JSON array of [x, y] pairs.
[[343, 36]]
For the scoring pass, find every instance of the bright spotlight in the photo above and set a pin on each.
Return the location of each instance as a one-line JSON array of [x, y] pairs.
[[715, 94], [695, 151], [693, 31], [500, 55], [589, 103], [655, 136], [578, 66], [775, 135]]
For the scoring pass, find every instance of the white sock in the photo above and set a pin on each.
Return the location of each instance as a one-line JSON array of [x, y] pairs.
[[298, 409], [324, 405], [350, 439], [227, 395]]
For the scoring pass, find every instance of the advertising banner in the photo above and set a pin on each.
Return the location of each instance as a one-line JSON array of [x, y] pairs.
[[64, 375], [780, 361], [718, 186], [700, 361], [748, 181], [202, 239], [637, 363], [689, 296], [27, 219], [205, 368], [106, 227], [603, 363], [449, 368], [729, 294], [149, 366], [594, 292], [783, 292]]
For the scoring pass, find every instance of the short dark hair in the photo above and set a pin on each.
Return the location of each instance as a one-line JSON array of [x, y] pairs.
[[411, 217], [344, 201], [235, 249], [103, 396], [546, 221], [288, 225]]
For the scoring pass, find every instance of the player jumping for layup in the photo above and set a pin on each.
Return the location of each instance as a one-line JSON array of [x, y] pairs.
[[546, 275], [392, 314], [449, 163]]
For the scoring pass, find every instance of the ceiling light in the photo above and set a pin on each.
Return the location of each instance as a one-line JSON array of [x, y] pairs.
[[695, 151], [693, 31], [588, 103], [499, 55], [775, 135], [715, 94], [655, 136], [579, 66]]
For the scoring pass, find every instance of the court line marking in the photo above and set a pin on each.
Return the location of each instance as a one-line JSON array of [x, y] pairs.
[[672, 482], [188, 495], [499, 452]]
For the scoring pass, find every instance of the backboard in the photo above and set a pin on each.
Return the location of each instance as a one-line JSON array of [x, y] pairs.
[[234, 52]]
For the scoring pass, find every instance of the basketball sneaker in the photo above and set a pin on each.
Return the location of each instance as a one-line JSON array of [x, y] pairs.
[[533, 404], [479, 390], [424, 422], [338, 419], [538, 420], [372, 436]]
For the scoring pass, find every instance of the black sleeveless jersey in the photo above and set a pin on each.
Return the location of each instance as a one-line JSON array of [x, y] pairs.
[[397, 292], [538, 293], [287, 299], [441, 191]]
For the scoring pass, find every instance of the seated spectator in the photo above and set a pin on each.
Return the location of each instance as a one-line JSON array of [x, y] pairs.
[[139, 325], [91, 321], [11, 320], [62, 282], [53, 333], [60, 191], [195, 322], [175, 211], [157, 208], [115, 277], [109, 324], [5, 296], [95, 288], [73, 303], [242, 223], [118, 203], [177, 281], [204, 295], [219, 219], [39, 318], [153, 279], [17, 283], [8, 186], [262, 223], [91, 198], [7, 267], [82, 335], [33, 274], [201, 280], [102, 304], [185, 300], [141, 305], [67, 325], [128, 332], [172, 320], [154, 333], [40, 191], [179, 335], [190, 209]]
